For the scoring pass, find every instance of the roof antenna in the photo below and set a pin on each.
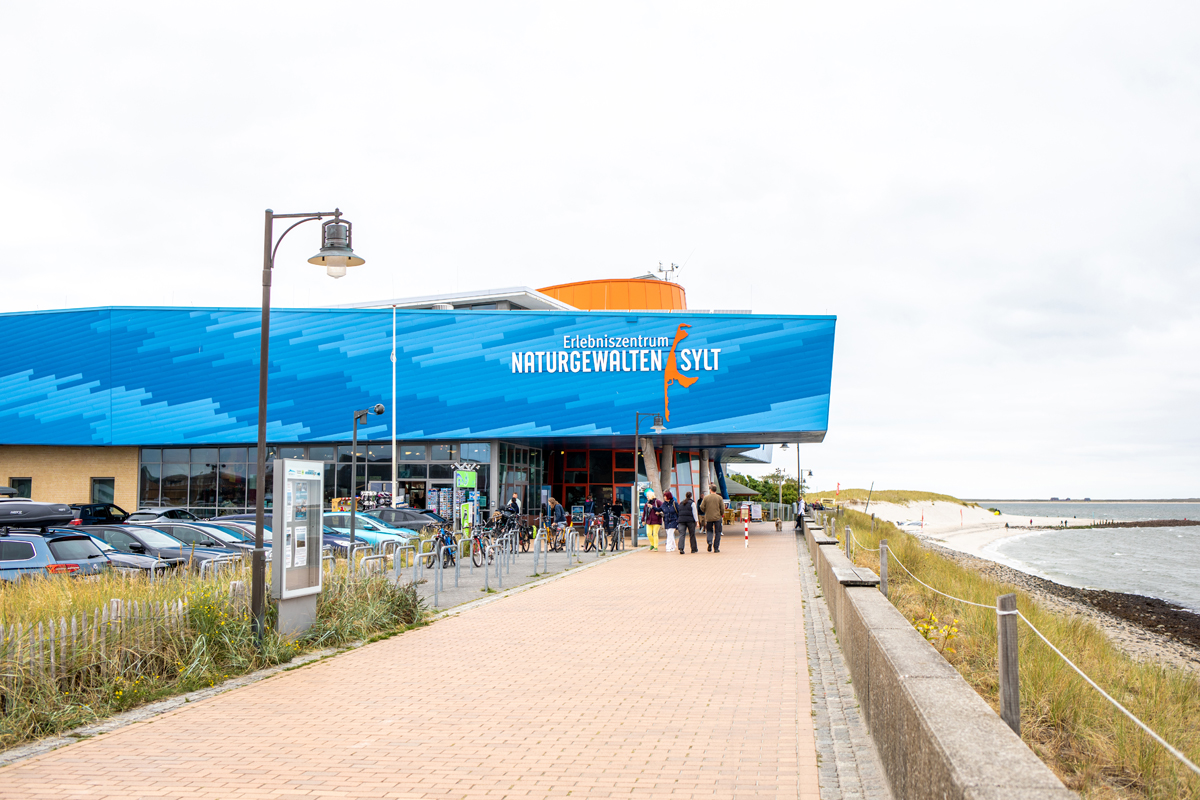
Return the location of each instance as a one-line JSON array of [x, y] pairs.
[[668, 272]]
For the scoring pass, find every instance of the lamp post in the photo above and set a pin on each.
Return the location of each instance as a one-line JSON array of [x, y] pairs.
[[359, 416], [657, 427], [335, 255]]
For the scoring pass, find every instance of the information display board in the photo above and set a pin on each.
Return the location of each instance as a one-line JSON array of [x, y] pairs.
[[297, 519]]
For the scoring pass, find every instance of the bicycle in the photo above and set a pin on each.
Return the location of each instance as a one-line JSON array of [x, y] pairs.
[[595, 536], [556, 537]]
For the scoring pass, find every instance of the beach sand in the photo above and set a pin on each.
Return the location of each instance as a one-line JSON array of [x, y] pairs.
[[965, 528]]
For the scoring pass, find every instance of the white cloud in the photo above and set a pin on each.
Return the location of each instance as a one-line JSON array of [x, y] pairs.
[[999, 203]]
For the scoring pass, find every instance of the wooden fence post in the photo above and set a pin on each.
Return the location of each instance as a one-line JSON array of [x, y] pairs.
[[1010, 685], [883, 565]]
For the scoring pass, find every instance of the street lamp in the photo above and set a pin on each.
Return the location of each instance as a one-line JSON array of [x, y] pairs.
[[359, 416], [657, 427], [335, 256]]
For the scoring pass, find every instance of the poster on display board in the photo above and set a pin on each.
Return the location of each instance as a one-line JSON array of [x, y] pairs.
[[296, 526]]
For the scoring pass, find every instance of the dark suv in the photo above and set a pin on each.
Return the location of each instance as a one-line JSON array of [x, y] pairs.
[[98, 514], [143, 541]]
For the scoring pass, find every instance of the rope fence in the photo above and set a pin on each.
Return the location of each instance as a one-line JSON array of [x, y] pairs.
[[1150, 732]]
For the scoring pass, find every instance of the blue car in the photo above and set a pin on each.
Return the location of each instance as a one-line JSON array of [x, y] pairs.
[[369, 529], [338, 541]]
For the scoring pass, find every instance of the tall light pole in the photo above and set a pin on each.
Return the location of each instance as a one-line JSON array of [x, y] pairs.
[[359, 416], [335, 255], [635, 515]]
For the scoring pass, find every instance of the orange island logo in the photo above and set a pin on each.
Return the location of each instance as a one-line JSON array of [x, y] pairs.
[[624, 354]]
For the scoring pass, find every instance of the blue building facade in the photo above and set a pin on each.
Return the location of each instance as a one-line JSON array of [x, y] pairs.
[[495, 386]]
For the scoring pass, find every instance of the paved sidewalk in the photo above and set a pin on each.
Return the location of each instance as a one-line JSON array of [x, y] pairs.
[[850, 766], [653, 676], [514, 571]]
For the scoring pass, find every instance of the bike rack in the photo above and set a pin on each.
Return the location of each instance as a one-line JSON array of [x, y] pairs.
[[158, 565], [214, 565], [331, 558], [421, 552], [380, 559], [398, 562]]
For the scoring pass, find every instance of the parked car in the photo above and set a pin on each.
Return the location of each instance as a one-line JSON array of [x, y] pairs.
[[146, 541], [36, 552], [369, 529], [203, 534], [98, 514], [130, 561], [329, 536], [165, 513], [411, 518]]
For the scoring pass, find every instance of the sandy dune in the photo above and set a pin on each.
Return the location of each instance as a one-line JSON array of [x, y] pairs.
[[965, 528]]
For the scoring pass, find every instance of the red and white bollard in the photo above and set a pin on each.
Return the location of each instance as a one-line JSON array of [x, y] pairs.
[[747, 524]]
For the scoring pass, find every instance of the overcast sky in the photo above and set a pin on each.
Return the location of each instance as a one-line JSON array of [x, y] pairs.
[[1000, 204]]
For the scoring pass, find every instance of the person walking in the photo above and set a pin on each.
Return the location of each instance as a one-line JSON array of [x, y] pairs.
[[670, 512], [687, 522], [652, 517], [713, 508]]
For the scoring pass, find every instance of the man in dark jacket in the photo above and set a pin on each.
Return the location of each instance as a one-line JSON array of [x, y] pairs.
[[687, 522], [713, 508]]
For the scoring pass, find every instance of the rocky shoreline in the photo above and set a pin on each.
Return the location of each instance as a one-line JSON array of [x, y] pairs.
[[1145, 628]]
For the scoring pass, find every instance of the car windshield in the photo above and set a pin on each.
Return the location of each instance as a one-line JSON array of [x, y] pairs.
[[221, 535], [155, 538], [76, 549]]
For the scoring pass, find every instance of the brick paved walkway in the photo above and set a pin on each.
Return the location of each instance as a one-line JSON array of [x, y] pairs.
[[651, 676]]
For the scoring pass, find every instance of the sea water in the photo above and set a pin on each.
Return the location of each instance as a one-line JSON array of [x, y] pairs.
[[1156, 562]]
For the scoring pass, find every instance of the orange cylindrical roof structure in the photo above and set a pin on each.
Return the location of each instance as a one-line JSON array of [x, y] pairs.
[[620, 294]]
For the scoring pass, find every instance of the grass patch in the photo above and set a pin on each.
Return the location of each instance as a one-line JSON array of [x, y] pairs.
[[207, 640], [900, 497], [1091, 746]]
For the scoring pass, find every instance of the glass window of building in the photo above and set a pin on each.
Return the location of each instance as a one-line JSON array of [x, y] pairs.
[[103, 490], [379, 452], [443, 452], [345, 453], [441, 472], [322, 453], [176, 455], [291, 452], [174, 484], [148, 475], [23, 486], [412, 452], [477, 451]]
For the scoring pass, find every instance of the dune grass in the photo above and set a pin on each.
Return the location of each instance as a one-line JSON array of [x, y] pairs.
[[1085, 740], [211, 640], [900, 497]]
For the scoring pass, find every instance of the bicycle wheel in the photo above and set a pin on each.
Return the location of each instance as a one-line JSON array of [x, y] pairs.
[[524, 541], [476, 552]]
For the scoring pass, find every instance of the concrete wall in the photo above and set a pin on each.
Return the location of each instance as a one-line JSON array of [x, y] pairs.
[[63, 474], [936, 737]]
